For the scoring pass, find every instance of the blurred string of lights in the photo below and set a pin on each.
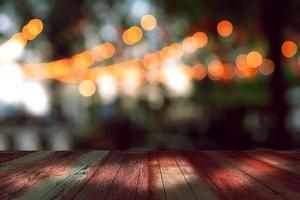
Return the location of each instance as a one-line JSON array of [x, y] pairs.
[[156, 67]]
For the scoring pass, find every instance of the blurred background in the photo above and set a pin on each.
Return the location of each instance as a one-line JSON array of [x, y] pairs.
[[141, 74]]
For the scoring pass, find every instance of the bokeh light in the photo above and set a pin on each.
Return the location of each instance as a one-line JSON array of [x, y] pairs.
[[215, 70], [267, 67], [132, 35], [148, 22], [189, 45], [224, 28], [87, 88], [199, 72], [103, 51], [289, 49], [201, 39], [254, 59], [32, 29]]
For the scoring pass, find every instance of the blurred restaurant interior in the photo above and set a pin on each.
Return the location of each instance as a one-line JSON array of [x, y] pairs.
[[149, 75]]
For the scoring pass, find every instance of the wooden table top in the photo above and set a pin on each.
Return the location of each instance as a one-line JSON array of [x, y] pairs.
[[150, 175]]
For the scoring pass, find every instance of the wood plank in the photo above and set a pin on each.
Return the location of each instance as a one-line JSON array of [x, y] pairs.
[[279, 160], [156, 187], [143, 181], [248, 183], [97, 185], [175, 185], [7, 156], [28, 174], [26, 158], [227, 186], [196, 182], [125, 184], [281, 182], [58, 184]]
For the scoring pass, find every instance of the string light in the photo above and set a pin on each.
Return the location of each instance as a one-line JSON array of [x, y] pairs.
[[87, 88], [224, 28], [132, 35], [289, 49], [148, 22]]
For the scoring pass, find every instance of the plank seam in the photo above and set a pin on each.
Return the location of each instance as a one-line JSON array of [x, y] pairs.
[[173, 155]]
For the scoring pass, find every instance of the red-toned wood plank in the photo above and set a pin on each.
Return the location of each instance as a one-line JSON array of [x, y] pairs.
[[282, 182], [99, 180], [143, 181], [279, 160], [29, 175], [196, 182], [175, 185], [227, 187], [156, 188], [7, 156], [248, 183], [125, 184]]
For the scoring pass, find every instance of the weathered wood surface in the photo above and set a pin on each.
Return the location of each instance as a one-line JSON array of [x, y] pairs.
[[150, 175]]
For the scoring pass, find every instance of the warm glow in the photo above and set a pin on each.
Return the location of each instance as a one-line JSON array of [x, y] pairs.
[[241, 61], [189, 45], [32, 29], [148, 22], [83, 60], [12, 48], [176, 50], [254, 59], [104, 51], [151, 61], [289, 49], [87, 88], [267, 67], [176, 79], [201, 39], [228, 72], [224, 28], [107, 87], [215, 70], [132, 35], [199, 72]]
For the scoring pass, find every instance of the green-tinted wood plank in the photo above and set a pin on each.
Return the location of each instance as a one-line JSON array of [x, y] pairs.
[[76, 177], [24, 159], [46, 187]]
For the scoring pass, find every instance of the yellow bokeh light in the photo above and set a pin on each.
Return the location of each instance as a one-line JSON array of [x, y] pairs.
[[254, 59], [289, 49], [132, 35], [103, 51], [87, 88], [82, 60], [148, 22], [201, 39], [224, 28], [32, 29]]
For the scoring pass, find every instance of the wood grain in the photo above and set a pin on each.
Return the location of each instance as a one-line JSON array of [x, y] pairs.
[[152, 175]]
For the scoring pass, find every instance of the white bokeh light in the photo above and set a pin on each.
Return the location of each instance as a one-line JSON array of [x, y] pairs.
[[11, 82], [107, 88], [176, 81], [35, 98]]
